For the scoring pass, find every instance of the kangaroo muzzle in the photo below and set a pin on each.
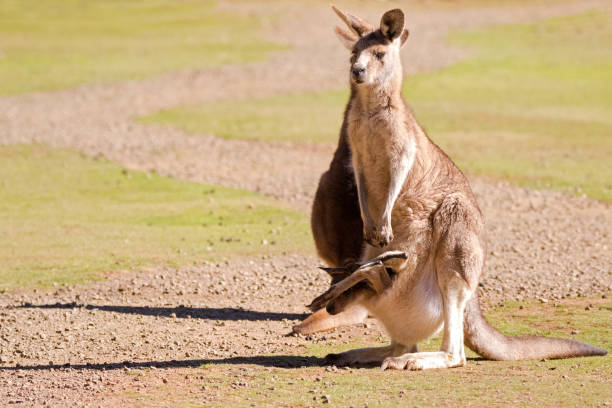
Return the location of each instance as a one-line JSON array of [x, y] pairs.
[[358, 73]]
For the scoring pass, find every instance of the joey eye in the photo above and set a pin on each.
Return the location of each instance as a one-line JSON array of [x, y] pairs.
[[379, 55]]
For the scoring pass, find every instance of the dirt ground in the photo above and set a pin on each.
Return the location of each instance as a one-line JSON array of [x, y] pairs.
[[85, 345]]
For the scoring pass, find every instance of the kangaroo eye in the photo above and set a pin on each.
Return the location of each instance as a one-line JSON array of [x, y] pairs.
[[379, 55]]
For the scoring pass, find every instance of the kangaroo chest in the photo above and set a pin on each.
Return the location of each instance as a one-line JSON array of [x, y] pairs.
[[374, 147], [380, 146], [372, 139]]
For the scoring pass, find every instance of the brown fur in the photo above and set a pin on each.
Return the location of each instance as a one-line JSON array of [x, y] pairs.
[[335, 211], [411, 198]]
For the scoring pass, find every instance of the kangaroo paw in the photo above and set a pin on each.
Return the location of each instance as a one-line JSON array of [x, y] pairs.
[[378, 237]]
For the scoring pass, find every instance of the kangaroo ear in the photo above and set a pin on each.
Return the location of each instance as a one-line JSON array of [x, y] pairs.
[[392, 24], [404, 36], [348, 39], [357, 25]]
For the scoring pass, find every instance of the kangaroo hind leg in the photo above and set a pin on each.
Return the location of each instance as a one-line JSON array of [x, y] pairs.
[[458, 261], [368, 355]]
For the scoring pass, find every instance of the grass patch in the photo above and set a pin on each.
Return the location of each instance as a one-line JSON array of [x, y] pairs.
[[65, 218], [313, 117], [581, 382], [61, 43], [533, 105]]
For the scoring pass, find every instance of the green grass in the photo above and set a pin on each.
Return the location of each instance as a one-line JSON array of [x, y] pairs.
[[61, 43], [65, 218], [533, 104], [314, 117], [582, 382]]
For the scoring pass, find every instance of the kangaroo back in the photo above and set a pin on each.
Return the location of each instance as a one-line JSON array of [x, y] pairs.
[[335, 220]]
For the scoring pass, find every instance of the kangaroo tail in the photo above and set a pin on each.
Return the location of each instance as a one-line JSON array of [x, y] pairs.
[[491, 344]]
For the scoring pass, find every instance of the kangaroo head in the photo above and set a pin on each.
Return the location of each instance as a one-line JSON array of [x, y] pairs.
[[358, 294], [375, 59]]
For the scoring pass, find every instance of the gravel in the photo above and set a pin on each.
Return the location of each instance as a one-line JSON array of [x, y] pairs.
[[86, 345]]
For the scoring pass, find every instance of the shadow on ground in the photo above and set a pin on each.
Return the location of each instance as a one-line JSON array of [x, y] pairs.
[[281, 361], [224, 313], [265, 361]]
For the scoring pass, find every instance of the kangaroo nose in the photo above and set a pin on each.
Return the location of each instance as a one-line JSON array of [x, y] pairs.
[[358, 71]]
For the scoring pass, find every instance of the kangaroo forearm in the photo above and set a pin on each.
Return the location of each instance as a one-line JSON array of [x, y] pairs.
[[399, 172], [363, 198]]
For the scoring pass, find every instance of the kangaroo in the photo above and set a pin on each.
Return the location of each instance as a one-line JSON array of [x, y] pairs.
[[423, 228]]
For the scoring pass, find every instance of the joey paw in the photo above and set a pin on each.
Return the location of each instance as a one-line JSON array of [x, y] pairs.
[[321, 300]]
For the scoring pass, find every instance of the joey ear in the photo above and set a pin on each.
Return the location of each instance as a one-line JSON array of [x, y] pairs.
[[392, 24], [348, 39], [357, 25], [404, 36]]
